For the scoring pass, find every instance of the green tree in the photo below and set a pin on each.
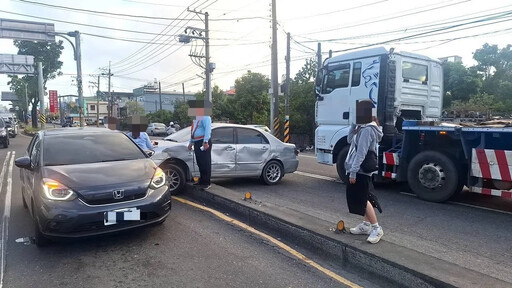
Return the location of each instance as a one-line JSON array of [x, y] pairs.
[[135, 108], [302, 100], [180, 114], [252, 99], [496, 66], [46, 52], [460, 83]]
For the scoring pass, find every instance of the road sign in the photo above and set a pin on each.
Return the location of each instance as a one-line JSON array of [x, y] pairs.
[[27, 30], [16, 64], [54, 102], [9, 96]]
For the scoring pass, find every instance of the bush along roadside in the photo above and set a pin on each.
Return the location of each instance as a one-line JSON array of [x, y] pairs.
[[30, 131]]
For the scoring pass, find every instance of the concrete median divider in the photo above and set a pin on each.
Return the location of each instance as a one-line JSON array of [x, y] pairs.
[[392, 265]]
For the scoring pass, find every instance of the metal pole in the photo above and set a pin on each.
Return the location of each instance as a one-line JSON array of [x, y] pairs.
[[208, 68], [183, 87], [109, 94], [98, 104], [41, 92], [287, 92], [160, 94], [156, 107], [79, 76], [26, 103], [274, 113], [319, 56]]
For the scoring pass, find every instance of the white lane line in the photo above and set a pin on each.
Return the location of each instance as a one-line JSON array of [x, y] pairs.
[[5, 220], [318, 176], [467, 205], [307, 156]]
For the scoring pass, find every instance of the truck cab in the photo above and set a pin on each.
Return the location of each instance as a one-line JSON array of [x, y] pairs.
[[402, 86]]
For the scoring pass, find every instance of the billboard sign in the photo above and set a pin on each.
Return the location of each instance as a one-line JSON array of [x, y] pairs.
[[16, 64], [9, 96], [27, 30], [54, 102]]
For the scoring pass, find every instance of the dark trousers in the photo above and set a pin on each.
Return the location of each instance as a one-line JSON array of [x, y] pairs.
[[204, 161]]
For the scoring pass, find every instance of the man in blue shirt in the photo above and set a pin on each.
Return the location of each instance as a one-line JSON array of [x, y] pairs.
[[200, 134], [137, 135]]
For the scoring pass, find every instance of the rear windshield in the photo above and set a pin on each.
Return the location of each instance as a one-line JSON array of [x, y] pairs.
[[159, 125], [89, 148]]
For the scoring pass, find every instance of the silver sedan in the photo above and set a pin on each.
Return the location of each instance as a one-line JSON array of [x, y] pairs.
[[237, 151]]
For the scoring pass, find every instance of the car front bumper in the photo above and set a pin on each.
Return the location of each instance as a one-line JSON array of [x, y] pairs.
[[76, 219]]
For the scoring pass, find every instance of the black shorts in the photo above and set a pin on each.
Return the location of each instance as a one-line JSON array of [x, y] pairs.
[[357, 194]]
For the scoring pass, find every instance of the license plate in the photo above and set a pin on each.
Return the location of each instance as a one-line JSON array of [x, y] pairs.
[[121, 215]]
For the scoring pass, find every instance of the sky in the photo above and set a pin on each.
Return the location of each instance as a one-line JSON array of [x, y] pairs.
[[140, 37]]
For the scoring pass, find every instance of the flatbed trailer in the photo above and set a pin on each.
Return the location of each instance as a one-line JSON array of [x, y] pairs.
[[437, 159]]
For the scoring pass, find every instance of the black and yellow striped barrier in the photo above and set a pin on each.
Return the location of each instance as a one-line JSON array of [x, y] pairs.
[[43, 118], [286, 129], [276, 127]]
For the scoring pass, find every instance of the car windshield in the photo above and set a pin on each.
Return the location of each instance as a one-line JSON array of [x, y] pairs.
[[88, 148], [181, 136]]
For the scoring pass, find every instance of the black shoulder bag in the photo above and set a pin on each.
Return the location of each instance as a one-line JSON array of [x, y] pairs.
[[370, 163]]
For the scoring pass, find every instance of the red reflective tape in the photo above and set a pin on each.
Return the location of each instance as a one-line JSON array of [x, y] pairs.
[[503, 165], [484, 164], [388, 175], [506, 194], [390, 160], [486, 191]]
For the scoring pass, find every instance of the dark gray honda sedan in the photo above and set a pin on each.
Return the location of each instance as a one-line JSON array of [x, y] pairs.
[[87, 181]]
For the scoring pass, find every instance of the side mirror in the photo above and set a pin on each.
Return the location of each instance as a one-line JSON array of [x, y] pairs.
[[150, 153], [23, 163]]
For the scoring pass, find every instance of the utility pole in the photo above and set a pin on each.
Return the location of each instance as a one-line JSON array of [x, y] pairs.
[[26, 103], [156, 107], [98, 104], [274, 104], [78, 58], [197, 33], [41, 93], [109, 94], [183, 87], [319, 56], [207, 60], [287, 92], [160, 94]]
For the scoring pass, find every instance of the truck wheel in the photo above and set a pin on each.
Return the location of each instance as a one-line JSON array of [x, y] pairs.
[[340, 164], [433, 176]]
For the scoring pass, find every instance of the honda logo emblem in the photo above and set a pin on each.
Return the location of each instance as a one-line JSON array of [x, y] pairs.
[[118, 194]]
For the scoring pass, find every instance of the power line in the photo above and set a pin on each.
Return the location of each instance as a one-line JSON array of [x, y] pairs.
[[392, 17], [334, 12], [131, 15]]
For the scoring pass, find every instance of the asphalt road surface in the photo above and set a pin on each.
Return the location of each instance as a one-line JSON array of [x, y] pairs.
[[476, 235], [193, 248]]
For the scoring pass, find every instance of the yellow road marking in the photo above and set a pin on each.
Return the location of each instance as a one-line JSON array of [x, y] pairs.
[[273, 240]]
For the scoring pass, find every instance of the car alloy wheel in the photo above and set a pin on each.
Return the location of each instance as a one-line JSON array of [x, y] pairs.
[[272, 173]]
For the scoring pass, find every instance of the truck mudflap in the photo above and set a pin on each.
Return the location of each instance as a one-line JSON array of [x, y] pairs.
[[390, 162], [492, 170]]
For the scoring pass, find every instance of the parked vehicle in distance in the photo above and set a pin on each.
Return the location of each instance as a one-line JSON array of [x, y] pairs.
[[111, 185], [11, 125], [156, 129], [237, 151], [4, 134]]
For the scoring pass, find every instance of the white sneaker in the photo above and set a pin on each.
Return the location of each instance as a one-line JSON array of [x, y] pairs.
[[361, 229], [375, 235]]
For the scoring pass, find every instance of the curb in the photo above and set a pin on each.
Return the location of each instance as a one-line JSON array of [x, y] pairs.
[[396, 265]]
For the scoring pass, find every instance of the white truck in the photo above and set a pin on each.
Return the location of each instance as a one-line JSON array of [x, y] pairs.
[[435, 159]]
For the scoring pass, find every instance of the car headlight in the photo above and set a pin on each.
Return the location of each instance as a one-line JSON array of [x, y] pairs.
[[53, 190], [158, 179]]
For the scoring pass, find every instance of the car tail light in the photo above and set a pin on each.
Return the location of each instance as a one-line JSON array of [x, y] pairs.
[[54, 190]]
